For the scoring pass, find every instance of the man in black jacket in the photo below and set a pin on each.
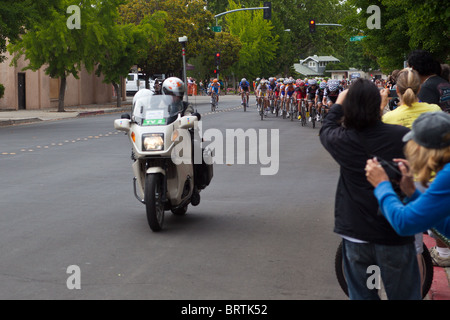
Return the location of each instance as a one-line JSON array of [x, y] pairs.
[[352, 132]]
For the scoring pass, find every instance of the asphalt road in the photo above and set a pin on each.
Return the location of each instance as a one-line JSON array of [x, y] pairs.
[[67, 200]]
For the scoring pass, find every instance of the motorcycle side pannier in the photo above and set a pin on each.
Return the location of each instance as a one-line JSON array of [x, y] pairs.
[[204, 172]]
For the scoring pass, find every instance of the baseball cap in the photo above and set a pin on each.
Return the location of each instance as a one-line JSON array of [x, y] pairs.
[[431, 130]]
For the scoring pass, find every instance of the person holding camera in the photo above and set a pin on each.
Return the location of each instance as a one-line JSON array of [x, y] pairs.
[[409, 107], [368, 238], [428, 155]]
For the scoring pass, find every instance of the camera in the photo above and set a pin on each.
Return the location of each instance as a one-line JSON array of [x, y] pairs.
[[392, 169], [393, 93]]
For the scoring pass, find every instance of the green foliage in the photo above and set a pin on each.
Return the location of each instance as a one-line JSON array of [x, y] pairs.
[[2, 90], [259, 44], [187, 18], [405, 26], [18, 16]]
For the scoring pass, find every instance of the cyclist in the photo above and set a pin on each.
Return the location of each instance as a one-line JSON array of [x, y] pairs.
[[300, 95], [244, 88], [320, 98], [272, 88], [214, 88], [290, 89], [331, 93], [311, 95], [263, 89]]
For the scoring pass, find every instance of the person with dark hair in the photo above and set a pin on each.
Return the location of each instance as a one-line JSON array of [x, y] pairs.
[[368, 238], [433, 89]]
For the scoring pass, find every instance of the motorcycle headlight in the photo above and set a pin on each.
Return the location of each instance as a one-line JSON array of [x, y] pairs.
[[153, 142]]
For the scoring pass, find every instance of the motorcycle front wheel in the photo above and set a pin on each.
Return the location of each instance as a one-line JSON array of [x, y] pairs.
[[153, 201]]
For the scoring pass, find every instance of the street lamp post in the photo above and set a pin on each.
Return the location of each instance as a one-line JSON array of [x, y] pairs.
[[183, 41]]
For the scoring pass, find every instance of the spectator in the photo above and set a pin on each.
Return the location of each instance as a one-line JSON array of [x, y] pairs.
[[368, 239], [428, 154], [409, 107], [445, 72], [434, 89]]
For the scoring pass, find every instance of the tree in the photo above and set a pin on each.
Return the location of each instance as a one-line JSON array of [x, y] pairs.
[[258, 43], [187, 18], [65, 50], [125, 45], [404, 27]]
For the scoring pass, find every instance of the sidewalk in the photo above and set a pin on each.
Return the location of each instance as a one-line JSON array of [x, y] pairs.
[[16, 117]]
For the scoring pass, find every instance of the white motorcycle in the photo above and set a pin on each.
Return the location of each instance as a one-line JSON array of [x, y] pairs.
[[166, 177]]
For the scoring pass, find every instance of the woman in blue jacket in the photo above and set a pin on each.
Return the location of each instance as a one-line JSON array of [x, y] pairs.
[[428, 154]]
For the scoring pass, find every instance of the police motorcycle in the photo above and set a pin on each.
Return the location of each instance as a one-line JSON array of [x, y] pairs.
[[161, 132]]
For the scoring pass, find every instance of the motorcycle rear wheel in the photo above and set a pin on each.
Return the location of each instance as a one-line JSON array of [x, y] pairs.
[[153, 201]]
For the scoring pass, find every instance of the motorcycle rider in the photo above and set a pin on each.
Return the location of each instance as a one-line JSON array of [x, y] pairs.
[[175, 87]]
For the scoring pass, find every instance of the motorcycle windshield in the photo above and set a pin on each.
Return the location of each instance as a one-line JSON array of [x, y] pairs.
[[156, 110]]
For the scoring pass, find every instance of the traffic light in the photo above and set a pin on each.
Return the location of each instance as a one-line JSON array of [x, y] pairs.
[[267, 12], [217, 58], [312, 25], [215, 71]]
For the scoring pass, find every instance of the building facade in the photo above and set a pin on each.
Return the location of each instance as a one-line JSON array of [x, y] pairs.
[[34, 90], [314, 66]]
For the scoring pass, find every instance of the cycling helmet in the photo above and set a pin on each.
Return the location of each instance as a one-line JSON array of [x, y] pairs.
[[243, 80], [333, 86], [173, 86], [323, 85], [302, 84], [215, 81], [312, 82], [271, 79]]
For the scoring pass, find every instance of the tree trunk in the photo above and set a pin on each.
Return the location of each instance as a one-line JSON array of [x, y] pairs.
[[62, 93], [118, 88]]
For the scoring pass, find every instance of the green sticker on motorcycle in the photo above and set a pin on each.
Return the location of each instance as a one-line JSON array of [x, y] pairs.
[[154, 122]]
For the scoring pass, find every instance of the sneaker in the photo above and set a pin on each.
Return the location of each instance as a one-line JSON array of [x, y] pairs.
[[438, 260], [309, 119]]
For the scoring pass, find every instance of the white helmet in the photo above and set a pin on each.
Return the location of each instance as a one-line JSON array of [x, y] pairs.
[[173, 86]]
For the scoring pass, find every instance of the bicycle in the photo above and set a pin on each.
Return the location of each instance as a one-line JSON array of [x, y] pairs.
[[213, 101], [426, 276], [303, 113], [313, 115], [291, 108], [244, 97]]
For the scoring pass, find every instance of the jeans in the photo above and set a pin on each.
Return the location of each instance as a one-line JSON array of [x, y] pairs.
[[397, 266]]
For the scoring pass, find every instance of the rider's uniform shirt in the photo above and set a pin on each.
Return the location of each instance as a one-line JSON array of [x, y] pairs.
[[290, 89], [311, 93], [320, 93], [332, 95], [244, 85], [215, 87], [301, 93], [283, 89], [263, 88], [272, 85]]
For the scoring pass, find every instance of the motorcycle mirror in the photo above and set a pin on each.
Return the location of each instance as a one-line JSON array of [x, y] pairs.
[[122, 124]]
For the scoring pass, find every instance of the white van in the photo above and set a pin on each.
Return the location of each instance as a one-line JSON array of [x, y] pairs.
[[134, 83]]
